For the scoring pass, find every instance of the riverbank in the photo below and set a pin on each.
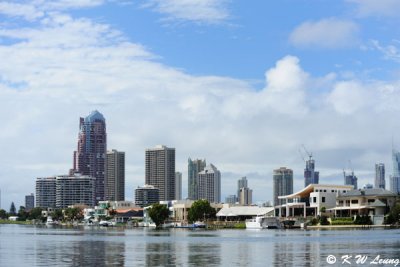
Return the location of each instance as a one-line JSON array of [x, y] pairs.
[[352, 226], [14, 222]]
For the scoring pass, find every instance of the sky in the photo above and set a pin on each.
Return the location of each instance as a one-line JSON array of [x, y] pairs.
[[242, 85]]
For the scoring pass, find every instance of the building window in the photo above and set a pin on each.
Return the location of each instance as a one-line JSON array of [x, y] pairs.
[[323, 199], [354, 201], [315, 200]]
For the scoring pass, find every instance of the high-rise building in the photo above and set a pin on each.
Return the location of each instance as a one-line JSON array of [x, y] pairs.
[[283, 184], [75, 189], [65, 190], [245, 196], [115, 176], [90, 156], [194, 167], [350, 179], [146, 195], [29, 202], [242, 183], [395, 178], [310, 175], [178, 185], [46, 192], [209, 184], [231, 199], [380, 175], [160, 170]]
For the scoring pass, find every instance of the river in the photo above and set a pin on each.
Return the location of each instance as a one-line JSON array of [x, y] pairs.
[[26, 245]]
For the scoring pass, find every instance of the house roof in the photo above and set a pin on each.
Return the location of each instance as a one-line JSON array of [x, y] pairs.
[[305, 192], [380, 192], [244, 211]]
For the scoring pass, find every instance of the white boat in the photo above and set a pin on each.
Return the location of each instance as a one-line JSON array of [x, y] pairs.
[[105, 223], [50, 221], [263, 222], [199, 224], [255, 223]]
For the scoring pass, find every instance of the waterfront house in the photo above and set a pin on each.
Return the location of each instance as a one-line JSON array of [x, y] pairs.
[[311, 200], [374, 202], [241, 213]]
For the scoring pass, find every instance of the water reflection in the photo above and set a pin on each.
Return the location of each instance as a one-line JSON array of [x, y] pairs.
[[31, 246], [160, 254], [204, 254], [68, 252]]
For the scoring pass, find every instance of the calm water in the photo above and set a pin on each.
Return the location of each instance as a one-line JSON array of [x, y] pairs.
[[40, 246]]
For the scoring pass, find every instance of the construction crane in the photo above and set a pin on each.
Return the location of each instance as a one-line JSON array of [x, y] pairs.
[[305, 150]]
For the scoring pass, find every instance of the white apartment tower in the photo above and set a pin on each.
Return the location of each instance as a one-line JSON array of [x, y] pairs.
[[209, 184]]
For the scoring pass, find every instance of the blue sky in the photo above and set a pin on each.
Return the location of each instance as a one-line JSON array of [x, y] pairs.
[[242, 85]]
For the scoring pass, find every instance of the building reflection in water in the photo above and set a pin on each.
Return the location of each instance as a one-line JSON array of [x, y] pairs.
[[80, 253], [296, 254], [204, 254]]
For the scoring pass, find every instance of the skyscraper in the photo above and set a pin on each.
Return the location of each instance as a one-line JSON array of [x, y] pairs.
[[29, 202], [283, 184], [380, 175], [75, 189], [46, 192], [194, 167], [90, 156], [160, 170], [350, 179], [209, 184], [395, 179], [178, 185], [115, 178], [242, 183], [245, 196], [310, 175]]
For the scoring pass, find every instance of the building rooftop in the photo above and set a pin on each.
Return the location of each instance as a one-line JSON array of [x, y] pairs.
[[305, 192], [367, 192], [93, 116], [244, 211]]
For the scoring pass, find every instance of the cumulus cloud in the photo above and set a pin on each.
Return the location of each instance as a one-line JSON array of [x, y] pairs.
[[376, 8], [63, 67], [36, 9], [198, 11], [326, 33], [348, 97]]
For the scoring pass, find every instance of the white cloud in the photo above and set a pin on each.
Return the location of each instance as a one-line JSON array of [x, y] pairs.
[[377, 8], [26, 11], [61, 68], [36, 9], [390, 52], [198, 11], [348, 97], [326, 33]]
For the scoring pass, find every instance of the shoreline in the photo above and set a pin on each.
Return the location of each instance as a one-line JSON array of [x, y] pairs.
[[350, 226]]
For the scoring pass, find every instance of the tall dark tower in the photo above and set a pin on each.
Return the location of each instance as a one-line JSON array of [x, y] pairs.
[[310, 175], [90, 157]]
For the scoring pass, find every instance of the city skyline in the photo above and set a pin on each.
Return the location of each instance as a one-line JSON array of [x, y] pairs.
[[242, 85]]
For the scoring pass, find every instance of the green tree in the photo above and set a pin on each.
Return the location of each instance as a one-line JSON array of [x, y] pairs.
[[57, 214], [13, 211], [200, 210], [73, 213], [3, 214], [158, 213], [35, 214], [394, 215], [22, 214]]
